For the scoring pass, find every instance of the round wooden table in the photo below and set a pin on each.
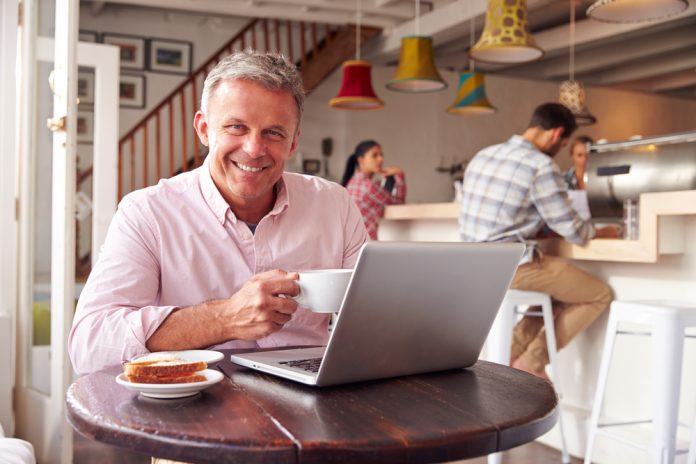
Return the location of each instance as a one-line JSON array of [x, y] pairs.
[[251, 417]]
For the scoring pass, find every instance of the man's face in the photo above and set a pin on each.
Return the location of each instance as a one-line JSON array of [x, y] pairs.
[[251, 132]]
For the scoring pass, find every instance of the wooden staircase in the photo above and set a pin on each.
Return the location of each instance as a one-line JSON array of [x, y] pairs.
[[164, 142]]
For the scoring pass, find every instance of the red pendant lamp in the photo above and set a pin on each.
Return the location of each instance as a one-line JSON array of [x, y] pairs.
[[356, 91]]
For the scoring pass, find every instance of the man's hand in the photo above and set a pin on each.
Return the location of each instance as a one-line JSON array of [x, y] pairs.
[[260, 308]]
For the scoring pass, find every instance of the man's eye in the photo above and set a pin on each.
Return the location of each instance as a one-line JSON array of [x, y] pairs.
[[275, 135]]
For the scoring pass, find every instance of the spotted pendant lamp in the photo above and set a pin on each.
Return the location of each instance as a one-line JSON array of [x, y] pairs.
[[416, 71], [506, 37], [356, 91], [572, 93]]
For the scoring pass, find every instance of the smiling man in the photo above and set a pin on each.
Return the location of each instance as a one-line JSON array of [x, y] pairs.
[[205, 259]]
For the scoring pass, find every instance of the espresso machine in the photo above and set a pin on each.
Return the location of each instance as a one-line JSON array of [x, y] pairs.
[[621, 171]]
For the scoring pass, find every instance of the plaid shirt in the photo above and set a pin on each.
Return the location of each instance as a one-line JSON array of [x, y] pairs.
[[510, 190], [372, 198]]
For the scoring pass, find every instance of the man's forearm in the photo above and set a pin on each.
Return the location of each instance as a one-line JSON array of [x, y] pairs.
[[191, 327]]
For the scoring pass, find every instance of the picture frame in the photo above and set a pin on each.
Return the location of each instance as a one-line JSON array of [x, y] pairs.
[[132, 49], [131, 91], [85, 87], [85, 126], [88, 36], [170, 56]]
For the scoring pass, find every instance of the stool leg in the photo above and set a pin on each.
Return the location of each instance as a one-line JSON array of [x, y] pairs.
[[607, 352], [547, 312], [499, 339], [692, 448], [667, 353]]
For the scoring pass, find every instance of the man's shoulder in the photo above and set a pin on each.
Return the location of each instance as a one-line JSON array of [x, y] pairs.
[[303, 184], [165, 191]]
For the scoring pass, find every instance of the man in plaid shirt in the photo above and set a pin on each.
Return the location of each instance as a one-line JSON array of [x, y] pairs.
[[509, 192]]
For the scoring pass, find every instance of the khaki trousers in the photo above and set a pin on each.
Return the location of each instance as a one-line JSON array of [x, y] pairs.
[[578, 298]]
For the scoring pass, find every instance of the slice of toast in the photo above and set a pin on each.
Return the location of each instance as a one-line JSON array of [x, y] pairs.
[[188, 378], [168, 367]]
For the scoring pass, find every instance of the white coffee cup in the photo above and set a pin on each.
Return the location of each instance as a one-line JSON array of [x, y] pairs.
[[322, 290]]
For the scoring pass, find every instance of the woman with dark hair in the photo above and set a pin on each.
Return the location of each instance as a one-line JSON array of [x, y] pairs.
[[363, 168], [575, 176]]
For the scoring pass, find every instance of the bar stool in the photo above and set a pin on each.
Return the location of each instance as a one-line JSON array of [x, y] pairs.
[[668, 319], [500, 339]]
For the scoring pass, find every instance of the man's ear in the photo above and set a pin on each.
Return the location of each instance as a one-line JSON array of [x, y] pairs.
[[295, 142], [201, 126], [557, 134]]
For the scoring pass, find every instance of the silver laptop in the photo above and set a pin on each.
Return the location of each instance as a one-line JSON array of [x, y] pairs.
[[410, 308]]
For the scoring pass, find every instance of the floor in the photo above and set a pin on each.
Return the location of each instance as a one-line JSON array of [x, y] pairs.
[[87, 451]]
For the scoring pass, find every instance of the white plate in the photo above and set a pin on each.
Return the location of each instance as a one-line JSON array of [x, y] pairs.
[[172, 390], [210, 357]]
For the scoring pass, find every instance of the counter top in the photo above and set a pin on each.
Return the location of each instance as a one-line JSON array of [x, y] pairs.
[[661, 229]]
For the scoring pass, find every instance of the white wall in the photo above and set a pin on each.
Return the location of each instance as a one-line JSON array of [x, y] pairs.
[[417, 134]]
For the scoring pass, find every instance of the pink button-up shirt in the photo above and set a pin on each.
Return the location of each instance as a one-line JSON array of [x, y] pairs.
[[179, 244]]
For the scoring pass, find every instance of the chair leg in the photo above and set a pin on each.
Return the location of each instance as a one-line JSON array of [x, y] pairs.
[[547, 312], [692, 448], [667, 354], [500, 335], [607, 353]]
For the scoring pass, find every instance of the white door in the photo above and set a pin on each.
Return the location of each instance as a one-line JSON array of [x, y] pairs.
[[47, 214]]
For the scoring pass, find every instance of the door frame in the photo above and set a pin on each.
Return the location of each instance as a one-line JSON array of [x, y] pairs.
[[41, 418]]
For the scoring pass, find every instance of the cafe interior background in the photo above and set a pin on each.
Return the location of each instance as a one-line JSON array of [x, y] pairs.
[[639, 80]]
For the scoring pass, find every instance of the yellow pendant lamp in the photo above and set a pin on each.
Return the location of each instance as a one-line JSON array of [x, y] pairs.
[[356, 91], [506, 37], [416, 71], [630, 11], [471, 98]]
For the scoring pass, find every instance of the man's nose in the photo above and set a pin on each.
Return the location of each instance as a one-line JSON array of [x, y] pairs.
[[253, 145]]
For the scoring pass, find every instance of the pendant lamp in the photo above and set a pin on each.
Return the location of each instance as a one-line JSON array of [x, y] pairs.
[[572, 93], [471, 97], [630, 11], [356, 91], [416, 71], [506, 37]]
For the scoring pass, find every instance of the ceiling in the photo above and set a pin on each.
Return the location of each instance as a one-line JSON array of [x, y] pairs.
[[657, 57]]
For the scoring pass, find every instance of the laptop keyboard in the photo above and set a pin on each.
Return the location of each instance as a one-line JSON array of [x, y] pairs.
[[309, 365]]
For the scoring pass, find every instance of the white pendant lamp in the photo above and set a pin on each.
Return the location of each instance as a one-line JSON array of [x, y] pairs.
[[572, 93], [631, 11]]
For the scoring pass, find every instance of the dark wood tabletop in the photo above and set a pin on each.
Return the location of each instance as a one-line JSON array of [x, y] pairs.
[[252, 417]]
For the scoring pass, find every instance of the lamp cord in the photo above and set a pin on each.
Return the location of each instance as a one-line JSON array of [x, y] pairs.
[[417, 22], [472, 31], [572, 41], [357, 31]]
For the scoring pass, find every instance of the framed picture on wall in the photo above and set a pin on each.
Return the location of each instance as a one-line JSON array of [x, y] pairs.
[[311, 166], [131, 91], [170, 56], [85, 126], [88, 36], [85, 87], [132, 49]]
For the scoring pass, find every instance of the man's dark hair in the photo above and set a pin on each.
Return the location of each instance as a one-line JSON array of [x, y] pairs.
[[553, 115]]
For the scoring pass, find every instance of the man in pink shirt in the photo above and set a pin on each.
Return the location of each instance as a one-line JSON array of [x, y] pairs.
[[205, 258]]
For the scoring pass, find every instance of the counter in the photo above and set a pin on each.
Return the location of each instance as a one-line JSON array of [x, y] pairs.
[[660, 265], [661, 229]]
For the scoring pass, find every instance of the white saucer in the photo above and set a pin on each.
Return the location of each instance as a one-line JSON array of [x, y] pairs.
[[172, 390], [210, 357]]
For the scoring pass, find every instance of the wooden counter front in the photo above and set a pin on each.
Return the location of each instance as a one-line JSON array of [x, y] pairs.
[[661, 229]]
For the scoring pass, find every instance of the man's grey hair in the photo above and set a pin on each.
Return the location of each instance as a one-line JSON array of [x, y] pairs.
[[272, 70]]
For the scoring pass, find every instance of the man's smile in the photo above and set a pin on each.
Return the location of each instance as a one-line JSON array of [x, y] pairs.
[[245, 167]]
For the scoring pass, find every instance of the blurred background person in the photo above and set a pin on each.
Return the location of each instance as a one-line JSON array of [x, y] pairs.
[[371, 185], [575, 175]]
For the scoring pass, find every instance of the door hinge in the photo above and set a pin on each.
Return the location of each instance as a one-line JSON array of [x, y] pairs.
[[57, 124]]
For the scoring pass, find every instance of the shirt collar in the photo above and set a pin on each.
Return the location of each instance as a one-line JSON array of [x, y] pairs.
[[220, 207], [521, 141]]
